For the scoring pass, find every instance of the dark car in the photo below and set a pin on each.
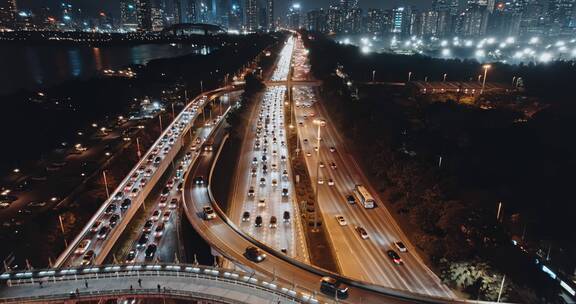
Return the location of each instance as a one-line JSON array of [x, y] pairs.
[[131, 256], [394, 257], [286, 216], [114, 220], [199, 180], [350, 199], [148, 226], [258, 221], [142, 240], [126, 204], [151, 251], [330, 286], [254, 254], [110, 209], [103, 233]]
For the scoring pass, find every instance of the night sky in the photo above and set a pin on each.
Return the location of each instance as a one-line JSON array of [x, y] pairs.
[[93, 6]]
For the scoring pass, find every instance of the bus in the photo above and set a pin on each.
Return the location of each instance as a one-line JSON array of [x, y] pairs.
[[364, 196]]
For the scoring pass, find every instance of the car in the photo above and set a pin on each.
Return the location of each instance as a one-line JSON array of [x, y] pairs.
[[173, 203], [320, 180], [330, 182], [273, 222], [305, 140], [95, 227], [142, 240], [315, 148], [274, 183], [251, 191], [118, 196], [162, 202], [88, 257], [151, 251], [114, 220], [258, 221], [148, 226], [179, 187], [208, 213], [134, 192], [143, 182], [285, 175], [156, 215], [284, 191], [350, 199], [128, 187], [394, 257], [170, 183], [332, 287], [341, 220], [254, 254], [131, 256], [401, 246], [199, 180], [165, 192], [253, 172], [148, 173], [110, 209], [103, 232], [262, 181], [362, 232], [246, 216], [125, 204], [286, 216], [274, 167], [321, 164], [283, 158], [308, 154], [333, 165], [159, 230], [332, 149], [254, 161], [82, 247], [262, 202], [134, 177]]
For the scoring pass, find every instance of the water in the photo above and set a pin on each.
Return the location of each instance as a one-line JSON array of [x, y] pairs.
[[32, 67]]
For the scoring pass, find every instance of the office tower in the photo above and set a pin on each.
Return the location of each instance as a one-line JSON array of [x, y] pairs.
[[178, 13], [189, 11], [128, 14], [505, 19], [401, 21], [533, 22], [157, 18], [144, 12], [429, 26], [334, 19], [270, 15], [294, 16], [560, 17], [375, 21], [251, 15], [262, 18], [203, 12], [235, 17], [7, 14], [473, 21], [355, 20], [447, 13], [317, 21]]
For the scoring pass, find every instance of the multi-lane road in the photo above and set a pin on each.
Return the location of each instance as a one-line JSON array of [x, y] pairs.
[[335, 174], [262, 199]]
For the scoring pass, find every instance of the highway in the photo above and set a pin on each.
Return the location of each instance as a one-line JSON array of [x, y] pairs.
[[92, 245], [262, 200], [338, 172]]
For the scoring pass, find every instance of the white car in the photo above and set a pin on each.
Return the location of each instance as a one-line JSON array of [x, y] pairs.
[[341, 220], [330, 182], [82, 247], [320, 181], [401, 247]]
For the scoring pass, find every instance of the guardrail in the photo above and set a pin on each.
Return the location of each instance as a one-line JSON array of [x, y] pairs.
[[251, 282], [115, 233]]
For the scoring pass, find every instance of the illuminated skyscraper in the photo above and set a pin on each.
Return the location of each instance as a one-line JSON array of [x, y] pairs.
[[270, 15], [7, 14], [251, 15], [144, 12], [129, 14]]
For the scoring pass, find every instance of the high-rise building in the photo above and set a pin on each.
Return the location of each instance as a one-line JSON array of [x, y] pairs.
[[316, 21], [355, 21], [533, 19], [251, 15], [401, 21], [429, 26], [203, 12], [506, 18], [473, 21], [270, 15], [294, 14], [235, 17], [190, 11], [7, 14], [334, 19], [157, 19], [560, 17], [375, 21], [144, 12], [447, 13], [129, 14]]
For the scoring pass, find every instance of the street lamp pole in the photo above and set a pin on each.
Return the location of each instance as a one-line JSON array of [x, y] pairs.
[[373, 75], [486, 67], [319, 123], [201, 87], [409, 76], [105, 184], [444, 77]]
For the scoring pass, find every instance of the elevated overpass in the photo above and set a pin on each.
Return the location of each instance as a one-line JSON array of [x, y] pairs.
[[189, 282]]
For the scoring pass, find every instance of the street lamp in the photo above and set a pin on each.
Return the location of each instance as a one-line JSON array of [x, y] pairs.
[[486, 67], [373, 75], [409, 76], [320, 123], [445, 77]]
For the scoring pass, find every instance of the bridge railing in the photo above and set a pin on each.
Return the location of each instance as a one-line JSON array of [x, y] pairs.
[[206, 273]]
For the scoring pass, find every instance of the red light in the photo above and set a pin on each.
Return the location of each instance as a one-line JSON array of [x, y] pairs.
[[102, 14]]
